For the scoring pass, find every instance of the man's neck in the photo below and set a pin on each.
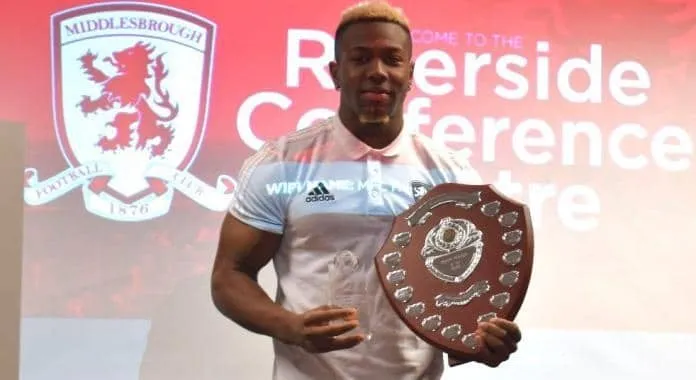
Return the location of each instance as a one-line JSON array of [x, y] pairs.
[[376, 136]]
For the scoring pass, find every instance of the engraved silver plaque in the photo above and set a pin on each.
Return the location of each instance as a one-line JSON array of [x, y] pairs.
[[424, 218], [452, 249], [404, 294], [402, 239], [508, 219], [512, 237], [463, 198], [470, 341], [452, 332], [486, 317], [463, 298], [513, 257], [416, 309], [396, 277], [501, 299], [432, 322], [491, 208], [509, 278], [393, 260]]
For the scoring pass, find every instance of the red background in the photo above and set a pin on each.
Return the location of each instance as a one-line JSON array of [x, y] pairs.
[[77, 264]]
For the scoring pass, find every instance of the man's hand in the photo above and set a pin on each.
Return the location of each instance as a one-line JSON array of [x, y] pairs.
[[498, 339], [318, 330]]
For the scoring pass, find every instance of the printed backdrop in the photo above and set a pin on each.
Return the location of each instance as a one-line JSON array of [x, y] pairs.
[[140, 114]]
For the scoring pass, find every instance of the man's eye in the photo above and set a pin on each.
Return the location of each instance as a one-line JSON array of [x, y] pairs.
[[394, 60]]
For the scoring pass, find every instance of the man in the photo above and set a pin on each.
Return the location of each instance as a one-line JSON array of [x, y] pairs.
[[367, 144]]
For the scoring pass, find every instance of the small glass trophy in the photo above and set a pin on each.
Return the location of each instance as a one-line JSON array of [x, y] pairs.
[[348, 287]]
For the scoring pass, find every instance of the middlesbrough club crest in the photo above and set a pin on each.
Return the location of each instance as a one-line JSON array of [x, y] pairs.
[[131, 85]]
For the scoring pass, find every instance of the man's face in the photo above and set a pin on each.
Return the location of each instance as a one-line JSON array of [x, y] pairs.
[[373, 71]]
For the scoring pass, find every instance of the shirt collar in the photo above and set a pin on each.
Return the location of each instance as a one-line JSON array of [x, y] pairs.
[[356, 149]]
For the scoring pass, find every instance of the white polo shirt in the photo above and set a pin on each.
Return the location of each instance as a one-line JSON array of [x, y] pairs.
[[326, 191]]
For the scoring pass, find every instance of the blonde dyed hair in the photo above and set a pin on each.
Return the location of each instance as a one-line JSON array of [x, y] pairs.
[[370, 11], [367, 11]]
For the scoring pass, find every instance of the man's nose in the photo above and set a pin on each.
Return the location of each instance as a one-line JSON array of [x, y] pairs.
[[376, 71]]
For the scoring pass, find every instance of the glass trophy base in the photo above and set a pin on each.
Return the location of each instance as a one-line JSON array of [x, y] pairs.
[[347, 288], [360, 303]]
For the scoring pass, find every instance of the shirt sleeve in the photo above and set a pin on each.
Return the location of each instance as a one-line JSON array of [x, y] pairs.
[[252, 202], [463, 172]]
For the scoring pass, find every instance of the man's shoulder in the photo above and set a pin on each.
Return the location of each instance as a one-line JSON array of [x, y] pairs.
[[439, 152]]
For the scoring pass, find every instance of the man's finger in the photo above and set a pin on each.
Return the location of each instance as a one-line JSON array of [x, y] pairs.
[[320, 316], [331, 329], [512, 329], [490, 328], [503, 335], [495, 344], [344, 342], [485, 355], [511, 346], [505, 330]]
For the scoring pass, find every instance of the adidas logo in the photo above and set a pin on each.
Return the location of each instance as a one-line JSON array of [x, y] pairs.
[[319, 194]]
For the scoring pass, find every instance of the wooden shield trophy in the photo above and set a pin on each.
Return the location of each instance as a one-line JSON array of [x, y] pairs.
[[461, 255]]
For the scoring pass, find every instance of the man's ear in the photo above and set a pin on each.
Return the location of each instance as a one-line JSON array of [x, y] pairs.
[[333, 69], [410, 75]]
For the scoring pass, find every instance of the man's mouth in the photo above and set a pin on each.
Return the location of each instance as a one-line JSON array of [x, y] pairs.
[[377, 96]]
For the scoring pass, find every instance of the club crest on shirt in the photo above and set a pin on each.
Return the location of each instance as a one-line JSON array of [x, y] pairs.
[[419, 189], [131, 88]]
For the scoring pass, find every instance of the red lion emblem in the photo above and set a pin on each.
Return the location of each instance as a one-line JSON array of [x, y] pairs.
[[129, 87]]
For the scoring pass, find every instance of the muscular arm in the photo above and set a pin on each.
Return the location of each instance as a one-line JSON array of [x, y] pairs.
[[242, 252]]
